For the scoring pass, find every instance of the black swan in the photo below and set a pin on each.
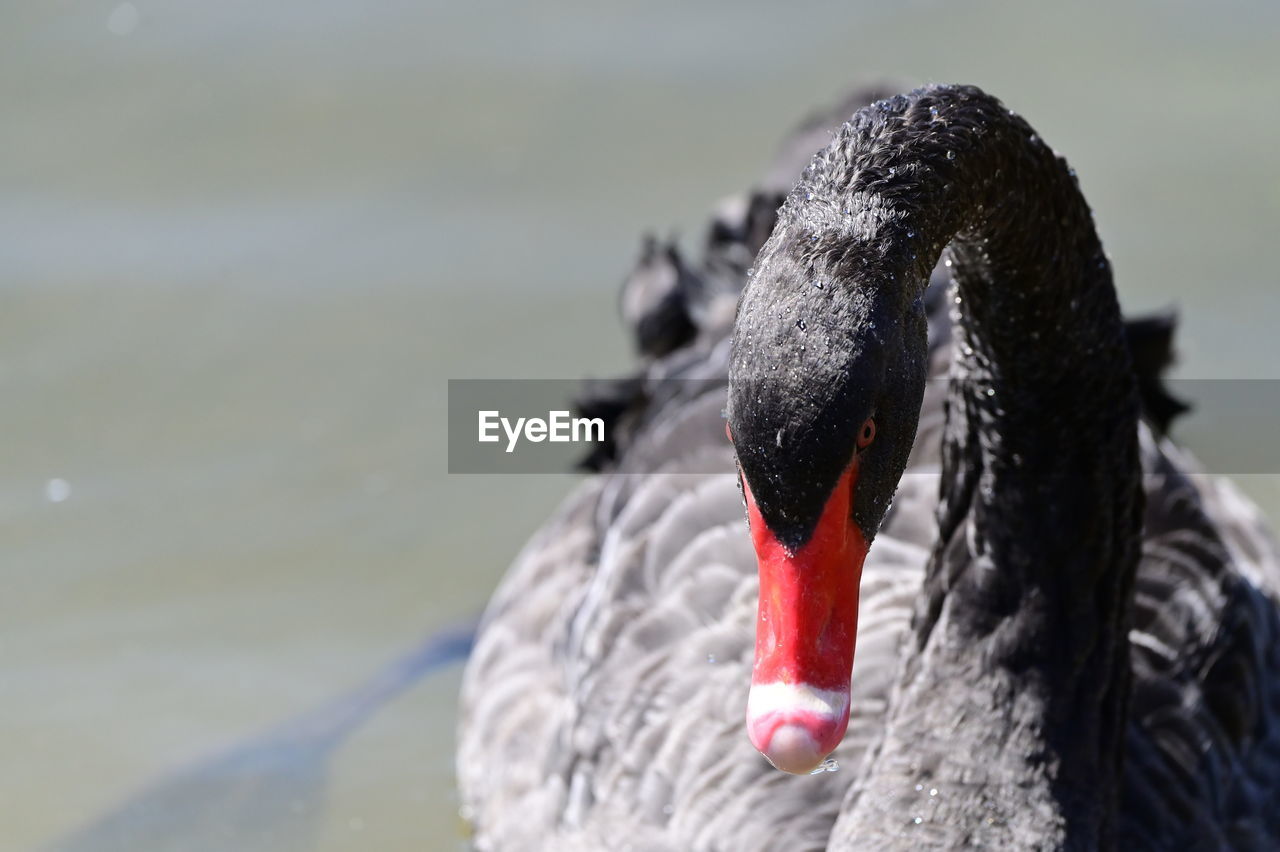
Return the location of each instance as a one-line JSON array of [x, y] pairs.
[[1065, 639]]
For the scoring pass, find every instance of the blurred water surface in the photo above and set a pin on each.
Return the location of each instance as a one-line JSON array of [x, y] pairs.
[[243, 245]]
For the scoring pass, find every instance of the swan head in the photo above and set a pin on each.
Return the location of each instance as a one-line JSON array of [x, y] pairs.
[[826, 377]]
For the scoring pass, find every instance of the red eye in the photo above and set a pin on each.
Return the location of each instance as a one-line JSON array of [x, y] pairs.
[[867, 433]]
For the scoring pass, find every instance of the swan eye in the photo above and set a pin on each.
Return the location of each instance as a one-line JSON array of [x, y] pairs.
[[867, 433]]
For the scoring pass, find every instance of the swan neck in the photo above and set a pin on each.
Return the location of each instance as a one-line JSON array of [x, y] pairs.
[[1025, 606]]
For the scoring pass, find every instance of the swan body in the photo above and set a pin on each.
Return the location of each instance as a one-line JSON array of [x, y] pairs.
[[1066, 638]]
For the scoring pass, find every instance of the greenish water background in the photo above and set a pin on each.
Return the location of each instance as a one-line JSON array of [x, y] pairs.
[[244, 245]]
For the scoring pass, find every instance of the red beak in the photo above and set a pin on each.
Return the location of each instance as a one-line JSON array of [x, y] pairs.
[[806, 628]]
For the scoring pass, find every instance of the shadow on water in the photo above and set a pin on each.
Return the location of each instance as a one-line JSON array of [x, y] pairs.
[[268, 793]]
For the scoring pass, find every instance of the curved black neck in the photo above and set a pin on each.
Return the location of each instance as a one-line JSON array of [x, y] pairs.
[[1025, 606]]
